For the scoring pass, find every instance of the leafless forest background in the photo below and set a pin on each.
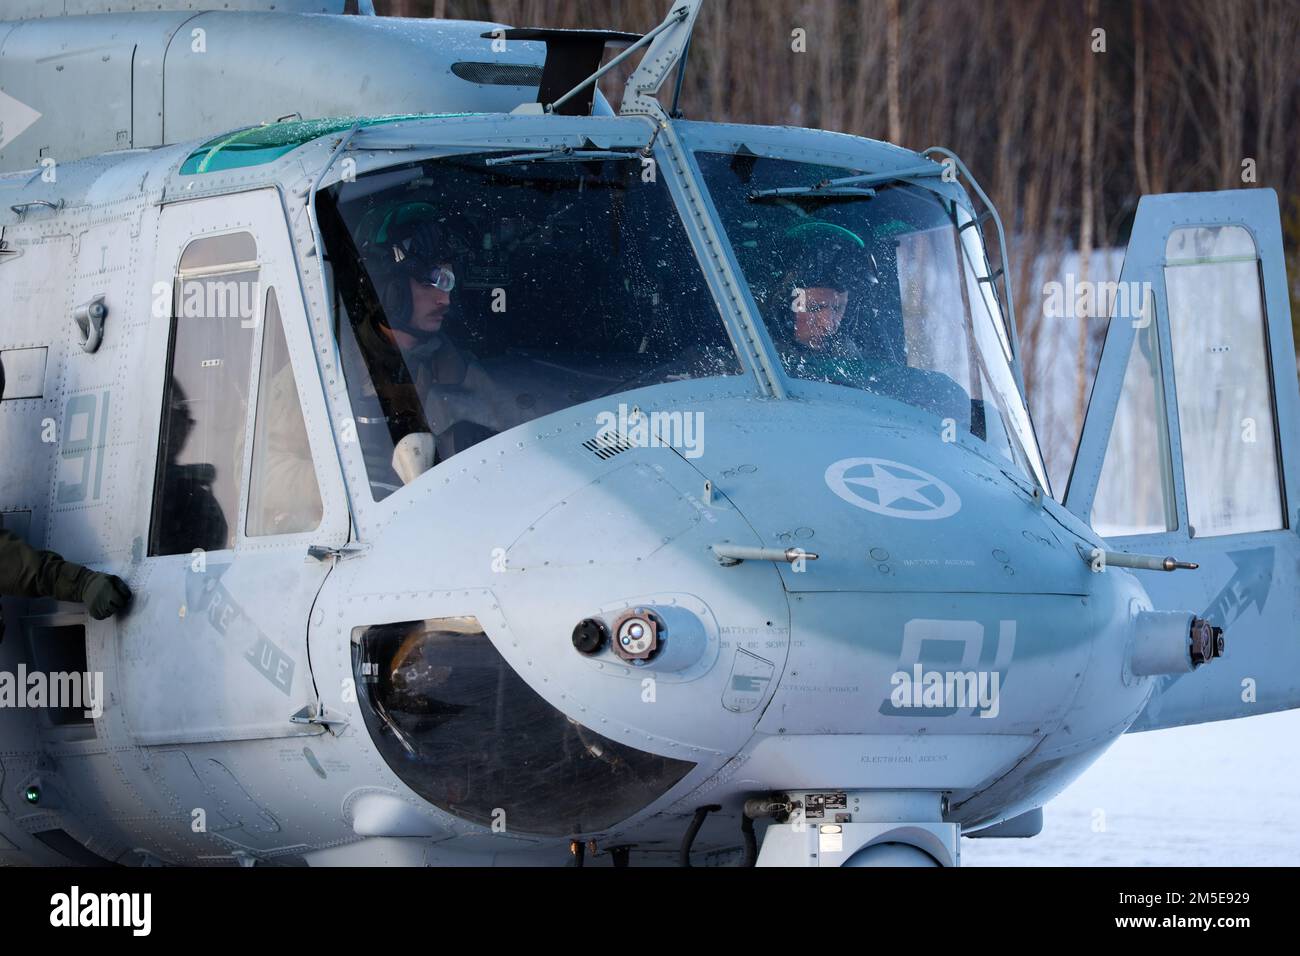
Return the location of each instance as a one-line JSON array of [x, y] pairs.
[[1063, 138]]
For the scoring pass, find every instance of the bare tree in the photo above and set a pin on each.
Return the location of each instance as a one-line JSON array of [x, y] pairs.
[[1086, 209], [892, 67]]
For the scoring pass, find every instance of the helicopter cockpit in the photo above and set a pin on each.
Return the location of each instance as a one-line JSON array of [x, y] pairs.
[[481, 291], [544, 284], [884, 289]]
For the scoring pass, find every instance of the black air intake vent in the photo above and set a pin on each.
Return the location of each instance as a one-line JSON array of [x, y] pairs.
[[498, 74], [606, 447]]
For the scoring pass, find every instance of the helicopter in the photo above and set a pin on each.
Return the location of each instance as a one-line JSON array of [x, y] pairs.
[[721, 533]]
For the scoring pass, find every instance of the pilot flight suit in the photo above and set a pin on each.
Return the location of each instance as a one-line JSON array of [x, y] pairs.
[[459, 402], [459, 397], [26, 572]]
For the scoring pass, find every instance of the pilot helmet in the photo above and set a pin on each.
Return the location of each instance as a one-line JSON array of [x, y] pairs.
[[824, 254], [411, 242]]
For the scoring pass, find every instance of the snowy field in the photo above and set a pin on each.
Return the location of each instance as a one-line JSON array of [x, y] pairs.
[[1220, 794]]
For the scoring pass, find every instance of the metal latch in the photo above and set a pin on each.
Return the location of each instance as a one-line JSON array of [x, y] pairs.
[[309, 715], [323, 552]]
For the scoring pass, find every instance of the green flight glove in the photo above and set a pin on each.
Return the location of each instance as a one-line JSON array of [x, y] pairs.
[[105, 595]]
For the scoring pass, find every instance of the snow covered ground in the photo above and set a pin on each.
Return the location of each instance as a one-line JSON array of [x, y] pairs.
[[1220, 794]]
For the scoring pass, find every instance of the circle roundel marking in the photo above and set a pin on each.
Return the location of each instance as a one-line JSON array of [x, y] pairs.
[[892, 488]]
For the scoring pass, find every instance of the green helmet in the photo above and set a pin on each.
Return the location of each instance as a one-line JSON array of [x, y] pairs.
[[409, 241], [411, 238], [823, 254]]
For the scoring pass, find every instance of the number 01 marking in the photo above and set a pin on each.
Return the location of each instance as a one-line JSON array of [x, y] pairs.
[[83, 447]]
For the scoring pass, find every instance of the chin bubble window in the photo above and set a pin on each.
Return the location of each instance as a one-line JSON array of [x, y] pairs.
[[456, 723]]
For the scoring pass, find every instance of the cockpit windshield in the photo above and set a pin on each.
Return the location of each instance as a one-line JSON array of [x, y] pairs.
[[478, 295], [884, 290]]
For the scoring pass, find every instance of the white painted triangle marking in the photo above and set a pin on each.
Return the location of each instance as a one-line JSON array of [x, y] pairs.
[[15, 117]]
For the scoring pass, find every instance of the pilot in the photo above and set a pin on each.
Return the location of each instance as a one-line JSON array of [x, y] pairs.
[[832, 275], [845, 321], [412, 264], [26, 572]]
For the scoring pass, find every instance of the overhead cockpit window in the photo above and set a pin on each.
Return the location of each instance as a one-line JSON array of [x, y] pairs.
[[215, 309], [884, 290], [477, 295], [461, 728]]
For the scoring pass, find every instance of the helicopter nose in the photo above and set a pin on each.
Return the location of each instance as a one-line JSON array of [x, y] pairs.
[[545, 631], [644, 606], [888, 506], [939, 598]]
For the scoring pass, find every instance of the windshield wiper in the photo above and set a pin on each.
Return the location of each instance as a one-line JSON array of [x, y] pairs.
[[850, 186], [816, 192], [562, 154]]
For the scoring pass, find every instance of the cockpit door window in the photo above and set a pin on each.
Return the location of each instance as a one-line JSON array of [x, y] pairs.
[[1222, 378], [1186, 428], [215, 305], [283, 493], [1139, 445]]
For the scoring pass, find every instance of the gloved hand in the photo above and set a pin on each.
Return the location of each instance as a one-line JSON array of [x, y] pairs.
[[105, 595]]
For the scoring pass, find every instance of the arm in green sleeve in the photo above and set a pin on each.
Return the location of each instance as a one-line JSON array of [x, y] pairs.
[[26, 572]]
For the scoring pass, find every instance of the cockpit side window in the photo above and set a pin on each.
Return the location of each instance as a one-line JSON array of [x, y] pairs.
[[205, 400], [479, 297], [283, 493]]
